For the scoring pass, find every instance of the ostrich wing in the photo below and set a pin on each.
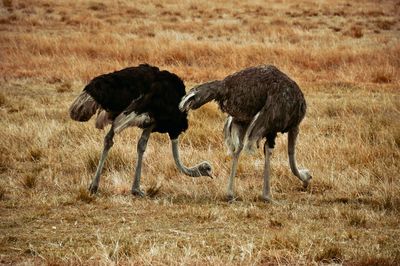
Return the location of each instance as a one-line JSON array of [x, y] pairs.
[[123, 121], [135, 114], [279, 114], [134, 105]]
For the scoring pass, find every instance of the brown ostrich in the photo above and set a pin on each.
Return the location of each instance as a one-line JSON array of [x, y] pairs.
[[261, 101], [143, 97]]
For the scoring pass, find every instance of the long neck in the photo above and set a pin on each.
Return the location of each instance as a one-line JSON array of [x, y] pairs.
[[193, 171], [212, 89], [292, 136], [207, 92]]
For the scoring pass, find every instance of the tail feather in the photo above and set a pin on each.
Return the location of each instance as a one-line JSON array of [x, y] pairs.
[[103, 119], [83, 108]]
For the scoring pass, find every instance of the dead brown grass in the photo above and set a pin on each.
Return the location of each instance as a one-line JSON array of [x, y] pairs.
[[344, 55]]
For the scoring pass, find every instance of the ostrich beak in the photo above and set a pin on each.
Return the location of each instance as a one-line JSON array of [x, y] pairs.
[[185, 103], [210, 174]]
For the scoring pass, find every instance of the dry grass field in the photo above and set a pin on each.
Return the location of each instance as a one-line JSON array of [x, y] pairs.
[[345, 55]]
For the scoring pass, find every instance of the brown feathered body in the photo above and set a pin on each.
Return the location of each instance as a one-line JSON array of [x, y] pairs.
[[262, 99], [261, 102], [266, 89]]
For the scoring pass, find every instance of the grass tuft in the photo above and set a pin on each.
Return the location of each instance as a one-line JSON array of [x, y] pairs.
[[91, 162], [29, 181], [2, 193], [35, 154], [391, 203], [396, 137], [384, 24], [355, 32], [64, 87], [153, 190], [116, 161], [373, 261], [8, 4], [3, 100], [357, 220], [331, 254], [97, 6], [84, 195], [382, 77], [275, 223]]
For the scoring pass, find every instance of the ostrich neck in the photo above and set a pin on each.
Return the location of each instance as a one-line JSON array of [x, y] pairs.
[[193, 171], [213, 90]]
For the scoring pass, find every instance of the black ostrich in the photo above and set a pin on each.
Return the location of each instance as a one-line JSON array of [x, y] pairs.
[[261, 101], [141, 96]]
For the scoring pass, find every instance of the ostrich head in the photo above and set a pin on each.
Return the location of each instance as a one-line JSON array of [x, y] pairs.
[[306, 176], [192, 100], [200, 95], [204, 169]]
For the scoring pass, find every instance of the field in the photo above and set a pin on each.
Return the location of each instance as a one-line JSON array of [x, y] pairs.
[[345, 55]]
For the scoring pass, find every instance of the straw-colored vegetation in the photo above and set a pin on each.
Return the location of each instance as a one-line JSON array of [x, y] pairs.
[[344, 55]]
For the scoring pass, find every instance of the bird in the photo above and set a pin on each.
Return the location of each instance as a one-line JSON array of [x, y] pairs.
[[142, 96], [260, 101]]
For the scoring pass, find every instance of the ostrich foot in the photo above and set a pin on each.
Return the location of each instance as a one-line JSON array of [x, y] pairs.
[[269, 200], [306, 177], [230, 198], [93, 188], [137, 192]]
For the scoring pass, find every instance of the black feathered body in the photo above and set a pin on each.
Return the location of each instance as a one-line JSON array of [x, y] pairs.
[[152, 91]]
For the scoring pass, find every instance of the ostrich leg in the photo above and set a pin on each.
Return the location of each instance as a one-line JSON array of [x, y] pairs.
[[233, 133], [108, 143], [303, 174], [266, 194], [141, 147], [231, 181]]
